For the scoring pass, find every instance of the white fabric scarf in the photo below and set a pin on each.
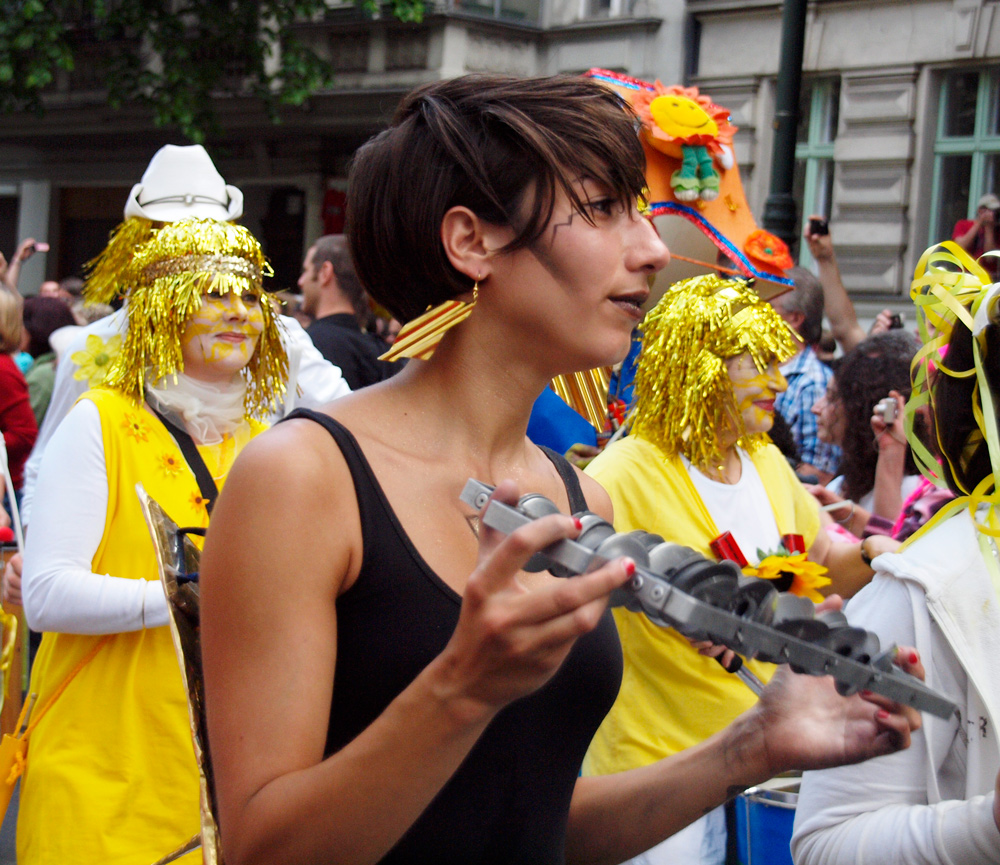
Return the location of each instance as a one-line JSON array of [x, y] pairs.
[[208, 412]]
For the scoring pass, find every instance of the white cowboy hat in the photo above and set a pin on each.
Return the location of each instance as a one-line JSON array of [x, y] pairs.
[[183, 183]]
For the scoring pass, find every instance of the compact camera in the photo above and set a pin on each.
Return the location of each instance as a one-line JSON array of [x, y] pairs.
[[886, 409]]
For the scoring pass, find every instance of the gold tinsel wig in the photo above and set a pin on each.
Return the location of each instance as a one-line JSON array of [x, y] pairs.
[[683, 393], [167, 276], [110, 274]]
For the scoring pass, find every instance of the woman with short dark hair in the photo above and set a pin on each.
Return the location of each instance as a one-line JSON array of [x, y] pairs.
[[384, 681]]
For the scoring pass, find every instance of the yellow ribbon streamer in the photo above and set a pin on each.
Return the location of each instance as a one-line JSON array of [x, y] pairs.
[[950, 286]]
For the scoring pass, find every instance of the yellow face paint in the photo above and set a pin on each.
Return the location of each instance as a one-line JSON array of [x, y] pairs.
[[754, 391], [221, 337]]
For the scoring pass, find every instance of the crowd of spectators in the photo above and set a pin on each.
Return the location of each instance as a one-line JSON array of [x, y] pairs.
[[838, 398]]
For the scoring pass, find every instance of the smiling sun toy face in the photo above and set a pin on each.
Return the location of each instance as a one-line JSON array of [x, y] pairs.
[[681, 118]]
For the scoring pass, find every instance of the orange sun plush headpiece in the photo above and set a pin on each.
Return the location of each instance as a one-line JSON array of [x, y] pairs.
[[696, 199]]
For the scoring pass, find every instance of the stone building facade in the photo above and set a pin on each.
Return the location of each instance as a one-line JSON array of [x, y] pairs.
[[899, 132], [64, 176]]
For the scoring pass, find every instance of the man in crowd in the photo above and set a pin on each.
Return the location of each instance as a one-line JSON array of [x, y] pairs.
[[807, 375], [332, 294]]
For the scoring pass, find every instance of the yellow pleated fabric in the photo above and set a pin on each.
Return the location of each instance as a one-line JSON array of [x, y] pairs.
[[111, 775]]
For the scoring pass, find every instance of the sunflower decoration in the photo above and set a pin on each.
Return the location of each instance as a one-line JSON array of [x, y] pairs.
[[790, 572], [170, 464], [199, 503], [136, 427], [94, 360]]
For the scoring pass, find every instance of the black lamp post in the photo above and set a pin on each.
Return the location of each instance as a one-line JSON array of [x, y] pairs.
[[780, 210]]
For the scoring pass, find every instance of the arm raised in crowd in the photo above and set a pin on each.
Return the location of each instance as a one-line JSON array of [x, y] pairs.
[[837, 305], [10, 272]]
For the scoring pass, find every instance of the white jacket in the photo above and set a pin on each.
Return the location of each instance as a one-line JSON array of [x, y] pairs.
[[933, 803]]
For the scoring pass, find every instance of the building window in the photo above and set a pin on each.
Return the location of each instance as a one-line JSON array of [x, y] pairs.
[[966, 147], [605, 8], [819, 113], [524, 11]]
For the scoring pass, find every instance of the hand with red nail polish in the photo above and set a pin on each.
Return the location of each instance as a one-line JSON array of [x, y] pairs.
[[512, 637]]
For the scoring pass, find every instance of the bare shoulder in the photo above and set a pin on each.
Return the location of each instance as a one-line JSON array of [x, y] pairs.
[[287, 484], [294, 465], [597, 498]]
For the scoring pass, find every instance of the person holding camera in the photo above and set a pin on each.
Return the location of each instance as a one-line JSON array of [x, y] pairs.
[[979, 235], [862, 411], [837, 304]]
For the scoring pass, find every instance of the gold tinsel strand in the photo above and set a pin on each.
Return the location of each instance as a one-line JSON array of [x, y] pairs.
[[161, 301], [683, 393], [110, 274]]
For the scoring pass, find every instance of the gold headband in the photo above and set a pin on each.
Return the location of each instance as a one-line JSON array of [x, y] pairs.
[[233, 265]]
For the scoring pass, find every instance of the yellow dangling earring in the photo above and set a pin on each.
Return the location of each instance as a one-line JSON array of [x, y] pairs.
[[419, 338]]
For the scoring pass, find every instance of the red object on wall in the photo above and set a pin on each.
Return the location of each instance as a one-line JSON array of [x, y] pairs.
[[334, 211]]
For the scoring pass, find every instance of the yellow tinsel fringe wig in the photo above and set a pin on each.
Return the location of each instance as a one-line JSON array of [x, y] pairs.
[[683, 393], [169, 273], [110, 274]]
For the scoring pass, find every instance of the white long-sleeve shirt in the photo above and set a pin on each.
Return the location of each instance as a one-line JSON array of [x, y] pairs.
[[59, 590], [933, 803]]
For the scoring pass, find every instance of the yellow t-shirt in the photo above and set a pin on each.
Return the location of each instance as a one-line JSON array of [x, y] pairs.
[[111, 777], [671, 697]]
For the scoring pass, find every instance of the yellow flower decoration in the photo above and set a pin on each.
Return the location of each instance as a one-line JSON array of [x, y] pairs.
[[171, 464], [135, 426], [95, 358], [198, 502], [803, 577]]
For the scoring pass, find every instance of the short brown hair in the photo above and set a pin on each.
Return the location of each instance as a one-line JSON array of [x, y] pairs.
[[807, 298], [481, 142], [333, 248]]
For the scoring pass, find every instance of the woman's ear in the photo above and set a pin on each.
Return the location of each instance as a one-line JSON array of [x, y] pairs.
[[470, 242]]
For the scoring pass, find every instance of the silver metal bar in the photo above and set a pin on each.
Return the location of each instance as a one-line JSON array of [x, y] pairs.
[[668, 606]]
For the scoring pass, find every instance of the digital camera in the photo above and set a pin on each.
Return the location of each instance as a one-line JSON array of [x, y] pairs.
[[886, 409]]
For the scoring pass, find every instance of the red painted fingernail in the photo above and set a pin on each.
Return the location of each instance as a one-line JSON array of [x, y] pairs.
[[577, 523], [629, 567], [866, 693], [914, 657], [882, 714]]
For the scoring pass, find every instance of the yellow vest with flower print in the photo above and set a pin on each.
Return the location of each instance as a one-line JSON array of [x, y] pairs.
[[671, 697], [111, 775]]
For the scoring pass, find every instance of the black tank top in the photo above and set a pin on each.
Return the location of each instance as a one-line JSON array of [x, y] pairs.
[[509, 799]]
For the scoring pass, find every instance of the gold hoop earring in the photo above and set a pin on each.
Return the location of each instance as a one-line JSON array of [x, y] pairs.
[[419, 338]]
